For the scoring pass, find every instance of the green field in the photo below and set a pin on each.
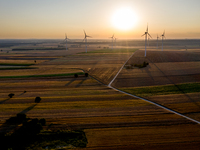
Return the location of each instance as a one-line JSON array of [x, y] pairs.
[[163, 90], [46, 75], [114, 51]]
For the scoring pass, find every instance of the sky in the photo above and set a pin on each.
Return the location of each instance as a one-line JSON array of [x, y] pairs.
[[51, 19]]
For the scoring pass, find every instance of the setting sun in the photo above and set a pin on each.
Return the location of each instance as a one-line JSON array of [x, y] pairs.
[[124, 19]]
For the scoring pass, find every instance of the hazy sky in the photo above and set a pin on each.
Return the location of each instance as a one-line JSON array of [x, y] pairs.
[[53, 18]]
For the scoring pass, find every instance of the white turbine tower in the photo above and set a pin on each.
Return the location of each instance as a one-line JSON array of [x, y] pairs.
[[146, 35], [66, 40], [163, 36], [157, 40], [85, 39], [148, 41], [112, 37]]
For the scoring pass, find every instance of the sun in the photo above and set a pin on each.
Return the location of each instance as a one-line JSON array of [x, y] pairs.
[[124, 19]]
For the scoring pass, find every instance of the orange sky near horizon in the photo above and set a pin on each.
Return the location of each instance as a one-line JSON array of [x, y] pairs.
[[49, 19]]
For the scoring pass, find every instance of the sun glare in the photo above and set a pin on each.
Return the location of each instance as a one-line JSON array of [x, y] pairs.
[[124, 19]]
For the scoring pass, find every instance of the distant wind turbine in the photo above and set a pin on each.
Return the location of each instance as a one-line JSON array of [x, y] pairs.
[[146, 35], [66, 40], [157, 40], [112, 37], [85, 39], [115, 41], [163, 36]]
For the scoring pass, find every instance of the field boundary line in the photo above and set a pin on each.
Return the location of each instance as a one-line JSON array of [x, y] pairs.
[[156, 104], [109, 85]]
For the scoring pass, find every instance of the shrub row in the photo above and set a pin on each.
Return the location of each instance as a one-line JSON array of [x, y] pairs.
[[76, 75]]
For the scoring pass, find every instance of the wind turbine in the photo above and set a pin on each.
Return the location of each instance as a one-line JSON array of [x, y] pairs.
[[66, 40], [157, 40], [115, 41], [146, 35], [163, 36], [112, 37], [85, 39]]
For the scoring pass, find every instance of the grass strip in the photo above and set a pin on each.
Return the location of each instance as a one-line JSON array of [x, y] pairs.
[[17, 68], [13, 64], [112, 51], [45, 75], [164, 89]]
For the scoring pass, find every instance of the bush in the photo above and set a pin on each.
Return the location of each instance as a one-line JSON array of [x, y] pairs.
[[76, 75], [21, 116], [34, 121], [11, 95], [37, 99], [42, 122], [128, 67], [144, 64], [31, 128], [86, 74], [18, 119]]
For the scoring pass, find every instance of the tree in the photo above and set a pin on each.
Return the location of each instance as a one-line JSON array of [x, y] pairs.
[[86, 74], [76, 75], [37, 99], [42, 122], [11, 95]]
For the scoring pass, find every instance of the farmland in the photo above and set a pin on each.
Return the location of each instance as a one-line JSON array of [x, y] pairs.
[[109, 119]]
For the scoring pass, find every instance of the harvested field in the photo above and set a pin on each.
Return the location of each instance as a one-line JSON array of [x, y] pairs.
[[167, 67], [144, 137], [111, 120], [187, 104]]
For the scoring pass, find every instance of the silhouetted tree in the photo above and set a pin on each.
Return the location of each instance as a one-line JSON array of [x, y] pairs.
[[42, 122], [86, 74], [76, 75], [37, 99], [11, 95], [21, 117]]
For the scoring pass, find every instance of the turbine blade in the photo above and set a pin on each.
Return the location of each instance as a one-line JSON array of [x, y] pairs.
[[147, 28], [149, 35], [84, 33], [88, 36], [144, 34]]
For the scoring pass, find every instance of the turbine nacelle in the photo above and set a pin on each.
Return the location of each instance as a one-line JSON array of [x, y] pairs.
[[86, 35], [112, 37], [163, 35]]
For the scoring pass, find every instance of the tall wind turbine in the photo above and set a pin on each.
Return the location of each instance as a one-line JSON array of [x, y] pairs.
[[146, 35], [85, 39], [163, 36], [157, 40], [112, 37], [66, 40]]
